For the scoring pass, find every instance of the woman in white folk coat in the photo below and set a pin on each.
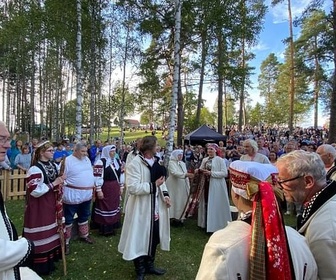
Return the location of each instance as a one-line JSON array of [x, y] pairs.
[[214, 207], [178, 186]]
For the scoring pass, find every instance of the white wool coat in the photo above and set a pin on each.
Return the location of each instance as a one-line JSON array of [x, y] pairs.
[[136, 231], [218, 212], [226, 255], [178, 186], [12, 252], [320, 232]]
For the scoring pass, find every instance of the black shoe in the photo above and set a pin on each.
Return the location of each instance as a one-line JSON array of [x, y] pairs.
[[176, 223], [87, 240], [108, 234], [139, 264], [156, 271]]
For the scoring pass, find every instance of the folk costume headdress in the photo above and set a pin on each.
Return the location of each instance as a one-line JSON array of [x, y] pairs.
[[42, 143], [41, 146], [269, 253], [215, 147]]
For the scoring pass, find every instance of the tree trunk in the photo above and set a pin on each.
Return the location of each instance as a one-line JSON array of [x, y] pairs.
[[123, 92], [242, 89], [332, 123], [92, 87], [79, 71], [41, 89], [180, 115], [292, 72], [316, 85], [110, 83], [31, 124], [4, 78], [177, 49], [8, 108], [220, 81], [200, 89]]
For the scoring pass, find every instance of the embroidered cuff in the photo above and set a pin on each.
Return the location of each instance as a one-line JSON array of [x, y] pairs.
[[165, 193]]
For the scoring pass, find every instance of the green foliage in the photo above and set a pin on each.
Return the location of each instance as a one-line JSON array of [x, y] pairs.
[[38, 55], [269, 72], [314, 48], [110, 108], [274, 86]]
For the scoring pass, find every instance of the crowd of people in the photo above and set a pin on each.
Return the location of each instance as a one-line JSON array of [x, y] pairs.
[[264, 173]]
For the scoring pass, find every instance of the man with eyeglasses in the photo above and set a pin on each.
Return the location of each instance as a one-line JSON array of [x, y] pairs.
[[14, 252], [302, 177]]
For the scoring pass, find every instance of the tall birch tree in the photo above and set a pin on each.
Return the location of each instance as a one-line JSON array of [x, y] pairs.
[[79, 71], [177, 54]]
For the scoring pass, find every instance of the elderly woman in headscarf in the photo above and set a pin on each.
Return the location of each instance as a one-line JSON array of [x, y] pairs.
[[107, 172], [214, 207], [178, 186], [257, 245]]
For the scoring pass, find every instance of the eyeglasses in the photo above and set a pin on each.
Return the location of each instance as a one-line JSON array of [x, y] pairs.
[[4, 140], [280, 182]]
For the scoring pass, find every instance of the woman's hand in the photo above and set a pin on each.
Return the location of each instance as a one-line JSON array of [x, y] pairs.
[[100, 195], [167, 201], [207, 172], [58, 181], [190, 175]]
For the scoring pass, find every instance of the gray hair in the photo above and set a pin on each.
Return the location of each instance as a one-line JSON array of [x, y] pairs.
[[78, 146], [300, 162], [253, 144], [329, 149]]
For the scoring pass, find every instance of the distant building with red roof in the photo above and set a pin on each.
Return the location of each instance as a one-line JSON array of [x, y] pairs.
[[130, 123]]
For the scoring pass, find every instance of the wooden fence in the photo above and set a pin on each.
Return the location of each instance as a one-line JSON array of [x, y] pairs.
[[13, 184]]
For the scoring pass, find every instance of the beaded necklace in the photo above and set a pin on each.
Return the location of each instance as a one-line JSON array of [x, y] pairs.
[[49, 169], [309, 205], [246, 215]]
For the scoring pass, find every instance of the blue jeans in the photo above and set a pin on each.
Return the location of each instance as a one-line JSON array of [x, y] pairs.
[[82, 210]]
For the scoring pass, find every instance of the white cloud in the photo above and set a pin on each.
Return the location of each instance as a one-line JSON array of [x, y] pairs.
[[279, 12], [260, 47], [281, 55]]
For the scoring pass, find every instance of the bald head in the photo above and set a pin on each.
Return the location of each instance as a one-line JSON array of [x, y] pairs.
[[327, 154], [4, 141]]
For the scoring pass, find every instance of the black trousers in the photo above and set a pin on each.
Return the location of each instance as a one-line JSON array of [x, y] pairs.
[[155, 238]]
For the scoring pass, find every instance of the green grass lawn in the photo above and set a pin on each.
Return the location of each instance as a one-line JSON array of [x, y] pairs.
[[103, 261], [131, 136]]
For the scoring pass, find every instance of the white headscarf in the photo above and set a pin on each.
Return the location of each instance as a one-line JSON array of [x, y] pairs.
[[106, 154], [175, 154]]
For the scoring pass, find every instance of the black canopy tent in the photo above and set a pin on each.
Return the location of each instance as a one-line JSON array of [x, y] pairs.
[[203, 135]]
